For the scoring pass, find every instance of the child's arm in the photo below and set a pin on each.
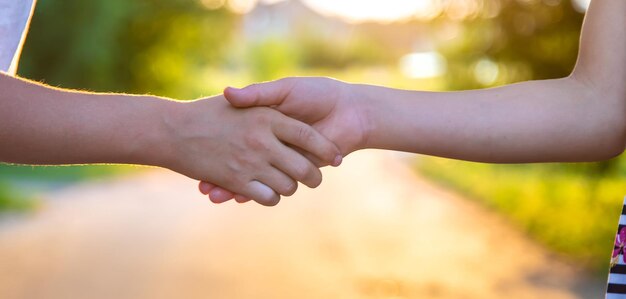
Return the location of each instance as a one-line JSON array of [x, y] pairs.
[[205, 139], [578, 118]]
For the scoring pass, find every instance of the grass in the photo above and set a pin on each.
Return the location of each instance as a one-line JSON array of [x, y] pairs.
[[62, 173], [14, 199], [10, 200], [573, 213]]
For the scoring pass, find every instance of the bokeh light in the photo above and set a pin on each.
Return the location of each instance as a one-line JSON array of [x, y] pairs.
[[374, 10], [486, 71], [193, 49], [422, 65], [581, 5], [213, 4], [241, 6]]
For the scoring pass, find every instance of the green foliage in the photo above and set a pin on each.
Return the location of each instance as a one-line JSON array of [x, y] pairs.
[[571, 208], [270, 59], [527, 39], [63, 173], [179, 49], [318, 52], [13, 201], [143, 46], [571, 212]]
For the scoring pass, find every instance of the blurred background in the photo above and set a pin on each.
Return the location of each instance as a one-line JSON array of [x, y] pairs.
[[186, 49]]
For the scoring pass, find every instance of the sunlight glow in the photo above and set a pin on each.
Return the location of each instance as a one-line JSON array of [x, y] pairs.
[[375, 10], [241, 6], [213, 4], [581, 5], [422, 65], [486, 71]]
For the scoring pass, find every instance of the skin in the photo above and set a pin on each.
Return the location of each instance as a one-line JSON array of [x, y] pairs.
[[581, 117], [250, 151]]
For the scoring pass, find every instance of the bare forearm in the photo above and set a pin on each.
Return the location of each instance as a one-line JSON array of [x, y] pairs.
[[244, 150], [537, 121], [578, 118], [43, 125]]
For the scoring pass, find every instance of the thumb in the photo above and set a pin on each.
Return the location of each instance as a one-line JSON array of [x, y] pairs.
[[271, 93]]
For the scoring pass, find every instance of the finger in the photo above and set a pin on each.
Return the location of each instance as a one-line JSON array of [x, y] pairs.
[[279, 181], [220, 195], [262, 94], [308, 139], [261, 193], [205, 187], [241, 198], [296, 167], [315, 160]]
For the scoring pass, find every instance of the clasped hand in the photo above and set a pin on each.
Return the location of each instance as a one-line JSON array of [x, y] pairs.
[[337, 127]]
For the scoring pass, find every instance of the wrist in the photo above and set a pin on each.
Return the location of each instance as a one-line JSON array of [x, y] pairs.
[[152, 143], [361, 100]]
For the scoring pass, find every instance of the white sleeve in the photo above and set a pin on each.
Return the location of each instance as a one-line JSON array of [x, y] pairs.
[[14, 19]]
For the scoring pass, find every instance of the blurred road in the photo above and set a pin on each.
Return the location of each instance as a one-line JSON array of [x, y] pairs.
[[373, 230]]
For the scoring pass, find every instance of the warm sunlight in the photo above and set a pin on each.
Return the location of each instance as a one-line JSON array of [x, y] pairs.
[[374, 10], [421, 65], [351, 10], [581, 5], [383, 11]]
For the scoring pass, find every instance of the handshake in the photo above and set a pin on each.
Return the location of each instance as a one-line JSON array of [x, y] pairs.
[[267, 139], [258, 142]]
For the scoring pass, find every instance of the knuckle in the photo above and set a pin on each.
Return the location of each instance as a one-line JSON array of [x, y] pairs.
[[231, 181], [308, 175], [234, 170], [303, 172], [255, 142], [305, 134], [289, 188], [262, 116]]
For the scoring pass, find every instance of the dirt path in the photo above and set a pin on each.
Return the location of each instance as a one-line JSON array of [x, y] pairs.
[[372, 230]]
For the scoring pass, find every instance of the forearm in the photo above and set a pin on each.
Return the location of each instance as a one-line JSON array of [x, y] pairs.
[[43, 125], [578, 118], [537, 121]]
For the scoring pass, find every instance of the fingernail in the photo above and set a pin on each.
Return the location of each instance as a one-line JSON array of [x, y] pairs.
[[337, 161]]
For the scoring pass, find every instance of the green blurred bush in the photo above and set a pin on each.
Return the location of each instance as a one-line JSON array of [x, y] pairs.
[[572, 212], [178, 48], [571, 208], [528, 40], [11, 200], [143, 46]]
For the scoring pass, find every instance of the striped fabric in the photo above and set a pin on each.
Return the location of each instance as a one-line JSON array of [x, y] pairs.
[[616, 288]]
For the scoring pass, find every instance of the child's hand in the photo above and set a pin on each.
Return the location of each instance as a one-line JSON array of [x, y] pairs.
[[324, 103], [246, 150]]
